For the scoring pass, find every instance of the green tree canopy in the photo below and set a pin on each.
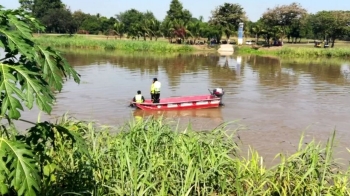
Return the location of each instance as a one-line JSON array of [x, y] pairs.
[[91, 24], [330, 24], [227, 17], [27, 5], [52, 13], [131, 19], [79, 17], [42, 7], [59, 21], [177, 12], [284, 16], [176, 21]]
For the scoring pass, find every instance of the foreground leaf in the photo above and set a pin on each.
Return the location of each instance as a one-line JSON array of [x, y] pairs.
[[28, 72], [23, 172]]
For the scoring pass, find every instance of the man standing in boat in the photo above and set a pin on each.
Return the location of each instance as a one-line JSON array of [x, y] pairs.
[[155, 90], [138, 98]]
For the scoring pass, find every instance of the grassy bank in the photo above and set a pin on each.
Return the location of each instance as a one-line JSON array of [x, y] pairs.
[[160, 56], [151, 157], [302, 52], [81, 42], [88, 42]]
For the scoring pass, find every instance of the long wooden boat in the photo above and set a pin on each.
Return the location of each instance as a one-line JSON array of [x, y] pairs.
[[178, 103]]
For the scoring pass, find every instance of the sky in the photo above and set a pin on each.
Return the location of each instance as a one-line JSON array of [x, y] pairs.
[[253, 8]]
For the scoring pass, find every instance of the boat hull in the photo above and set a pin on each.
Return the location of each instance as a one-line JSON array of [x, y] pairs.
[[181, 103]]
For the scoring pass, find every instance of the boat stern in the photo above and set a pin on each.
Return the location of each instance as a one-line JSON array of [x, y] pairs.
[[218, 92]]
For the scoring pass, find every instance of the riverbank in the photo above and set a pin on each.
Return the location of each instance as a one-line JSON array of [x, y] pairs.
[[152, 157], [163, 46], [293, 51], [81, 42]]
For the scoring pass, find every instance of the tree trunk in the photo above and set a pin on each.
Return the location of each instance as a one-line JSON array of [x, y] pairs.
[[256, 38], [333, 40]]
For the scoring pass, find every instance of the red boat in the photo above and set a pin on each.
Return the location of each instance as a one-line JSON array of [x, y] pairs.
[[214, 99]]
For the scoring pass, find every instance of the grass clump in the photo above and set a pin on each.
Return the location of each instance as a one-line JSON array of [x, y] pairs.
[[151, 157], [79, 42]]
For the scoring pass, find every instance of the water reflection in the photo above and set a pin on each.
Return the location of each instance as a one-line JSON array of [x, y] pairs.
[[231, 62], [345, 70], [213, 113]]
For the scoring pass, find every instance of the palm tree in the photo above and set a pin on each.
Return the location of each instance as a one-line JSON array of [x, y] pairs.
[[135, 31], [119, 28], [168, 30], [145, 28], [195, 30], [155, 29], [180, 30]]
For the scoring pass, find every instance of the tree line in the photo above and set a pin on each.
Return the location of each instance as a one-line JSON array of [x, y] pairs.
[[291, 22]]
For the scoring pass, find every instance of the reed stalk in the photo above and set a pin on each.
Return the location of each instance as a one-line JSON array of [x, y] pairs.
[[152, 157]]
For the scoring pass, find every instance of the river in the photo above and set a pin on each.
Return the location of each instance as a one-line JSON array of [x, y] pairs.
[[269, 101]]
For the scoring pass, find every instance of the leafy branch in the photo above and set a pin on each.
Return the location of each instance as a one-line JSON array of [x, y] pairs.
[[28, 72]]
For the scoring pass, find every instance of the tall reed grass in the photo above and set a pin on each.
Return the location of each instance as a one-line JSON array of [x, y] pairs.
[[151, 157], [80, 42]]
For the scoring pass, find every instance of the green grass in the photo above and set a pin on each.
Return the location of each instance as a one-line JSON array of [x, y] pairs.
[[302, 52], [156, 55], [341, 50], [314, 52], [248, 52], [152, 157], [81, 42]]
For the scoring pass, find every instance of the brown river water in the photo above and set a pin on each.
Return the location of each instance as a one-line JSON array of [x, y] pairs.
[[270, 101]]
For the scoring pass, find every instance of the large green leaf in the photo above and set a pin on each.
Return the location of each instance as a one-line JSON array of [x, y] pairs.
[[18, 40], [10, 100], [3, 173], [23, 172], [29, 73], [34, 88], [54, 67]]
